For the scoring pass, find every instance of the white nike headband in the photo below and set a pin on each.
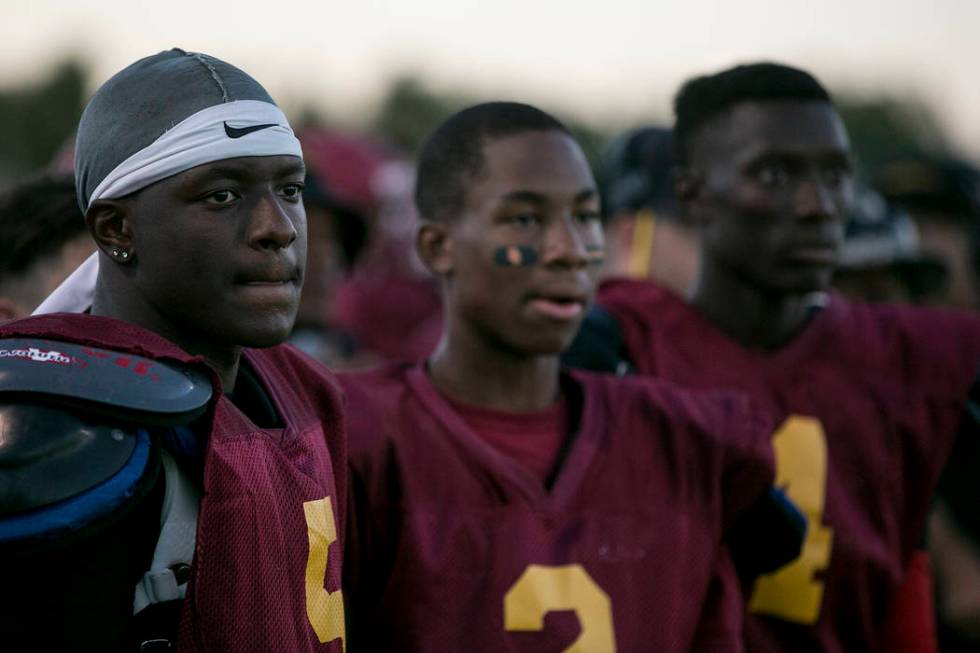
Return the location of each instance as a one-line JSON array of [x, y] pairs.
[[223, 131], [161, 115]]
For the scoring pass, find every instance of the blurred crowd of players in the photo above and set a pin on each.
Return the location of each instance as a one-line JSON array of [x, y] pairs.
[[912, 237]]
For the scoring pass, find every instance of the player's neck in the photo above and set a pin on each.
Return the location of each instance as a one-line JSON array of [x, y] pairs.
[[755, 317], [130, 307], [469, 371]]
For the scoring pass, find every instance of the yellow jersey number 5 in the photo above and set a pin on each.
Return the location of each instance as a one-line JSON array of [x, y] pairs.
[[324, 609]]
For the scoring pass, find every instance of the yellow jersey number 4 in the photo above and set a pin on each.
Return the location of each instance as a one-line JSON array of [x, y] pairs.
[[792, 592]]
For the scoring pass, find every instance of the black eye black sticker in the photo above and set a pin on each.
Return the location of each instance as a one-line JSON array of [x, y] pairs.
[[515, 256]]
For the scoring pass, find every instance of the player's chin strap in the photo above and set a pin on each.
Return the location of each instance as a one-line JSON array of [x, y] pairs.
[[167, 577]]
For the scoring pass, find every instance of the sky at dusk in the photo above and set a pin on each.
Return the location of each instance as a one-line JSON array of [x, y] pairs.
[[611, 60]]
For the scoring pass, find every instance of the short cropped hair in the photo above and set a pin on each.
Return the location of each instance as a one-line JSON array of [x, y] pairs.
[[703, 98], [453, 154], [38, 215]]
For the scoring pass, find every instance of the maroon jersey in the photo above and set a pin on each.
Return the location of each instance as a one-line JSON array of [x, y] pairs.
[[267, 566], [868, 399], [452, 546]]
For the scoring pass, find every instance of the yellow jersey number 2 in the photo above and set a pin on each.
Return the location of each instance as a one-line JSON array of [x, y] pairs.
[[542, 589], [792, 592]]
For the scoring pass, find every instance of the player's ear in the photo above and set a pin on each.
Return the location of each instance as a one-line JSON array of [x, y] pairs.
[[111, 225], [8, 309], [433, 242], [688, 185]]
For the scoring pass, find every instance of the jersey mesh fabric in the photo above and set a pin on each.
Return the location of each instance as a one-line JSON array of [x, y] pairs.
[[531, 439], [248, 588], [252, 534], [624, 547], [887, 386]]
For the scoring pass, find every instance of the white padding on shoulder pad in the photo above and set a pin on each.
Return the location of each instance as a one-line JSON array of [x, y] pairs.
[[178, 537]]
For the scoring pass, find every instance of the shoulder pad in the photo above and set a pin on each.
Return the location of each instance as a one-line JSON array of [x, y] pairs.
[[61, 470], [599, 345], [122, 386]]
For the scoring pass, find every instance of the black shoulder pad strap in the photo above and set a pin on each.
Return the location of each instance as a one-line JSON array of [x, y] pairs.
[[599, 345], [959, 485], [123, 386], [768, 535]]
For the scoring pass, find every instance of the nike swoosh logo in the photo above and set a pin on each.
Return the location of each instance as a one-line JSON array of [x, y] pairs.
[[238, 132]]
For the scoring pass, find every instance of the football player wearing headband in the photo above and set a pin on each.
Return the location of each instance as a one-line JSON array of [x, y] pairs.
[[191, 182]]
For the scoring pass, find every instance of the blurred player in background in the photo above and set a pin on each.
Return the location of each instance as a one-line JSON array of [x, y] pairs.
[[389, 304], [43, 240], [499, 504], [646, 236], [191, 181], [868, 399], [943, 195], [881, 258], [337, 231]]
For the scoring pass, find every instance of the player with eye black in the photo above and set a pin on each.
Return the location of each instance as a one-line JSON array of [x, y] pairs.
[[499, 503], [868, 399]]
